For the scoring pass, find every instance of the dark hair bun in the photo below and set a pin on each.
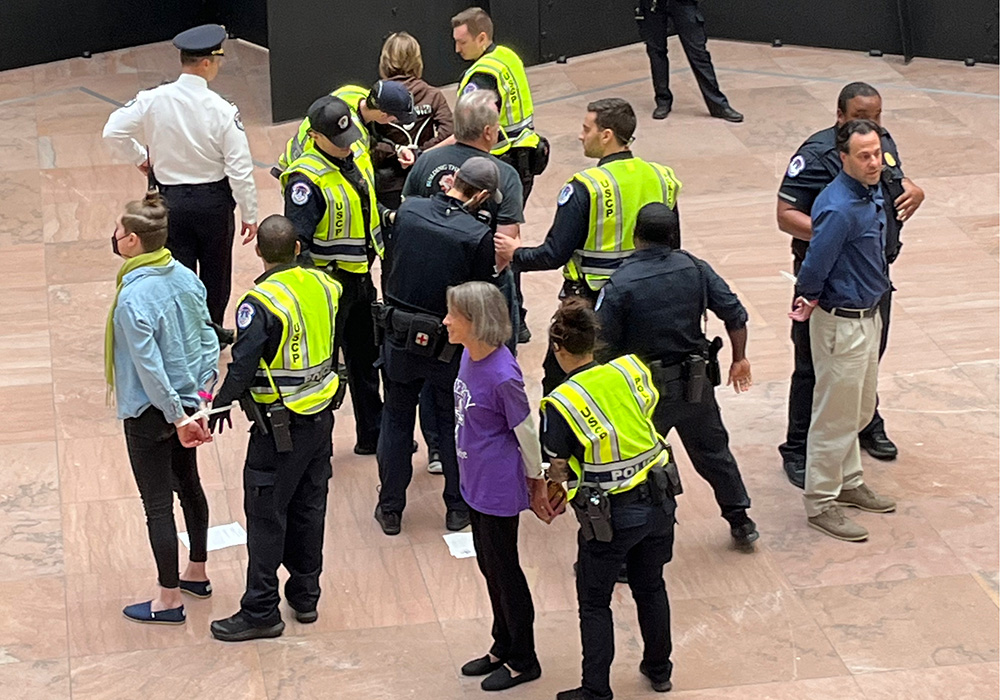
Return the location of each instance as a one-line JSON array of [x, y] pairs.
[[575, 326]]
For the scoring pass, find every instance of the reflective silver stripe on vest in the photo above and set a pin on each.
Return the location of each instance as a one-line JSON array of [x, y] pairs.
[[377, 236], [516, 129], [286, 318], [293, 377], [663, 185], [304, 340], [640, 460], [342, 249], [313, 165], [598, 414], [619, 211], [601, 262]]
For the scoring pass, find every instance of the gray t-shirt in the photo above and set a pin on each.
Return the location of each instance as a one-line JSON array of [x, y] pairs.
[[425, 176]]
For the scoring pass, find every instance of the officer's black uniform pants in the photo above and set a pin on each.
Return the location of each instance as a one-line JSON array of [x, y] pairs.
[[690, 26], [699, 426], [643, 540], [356, 331], [161, 465], [200, 232], [800, 392], [285, 502], [403, 385], [495, 540]]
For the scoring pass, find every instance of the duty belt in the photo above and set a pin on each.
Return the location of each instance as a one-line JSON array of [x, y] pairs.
[[666, 373]]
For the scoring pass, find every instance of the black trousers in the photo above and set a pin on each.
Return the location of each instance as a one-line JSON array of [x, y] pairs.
[[406, 376], [643, 541], [689, 23], [495, 539], [284, 495], [356, 337], [699, 426], [800, 392], [200, 232], [162, 465]]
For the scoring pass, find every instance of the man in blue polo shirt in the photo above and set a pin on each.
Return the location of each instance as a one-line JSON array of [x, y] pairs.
[[840, 283]]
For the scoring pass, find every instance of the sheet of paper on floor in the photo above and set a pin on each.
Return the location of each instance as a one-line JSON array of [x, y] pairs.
[[219, 537], [460, 545]]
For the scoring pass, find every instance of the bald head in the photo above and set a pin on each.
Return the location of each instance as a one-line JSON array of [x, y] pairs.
[[276, 239], [658, 224]]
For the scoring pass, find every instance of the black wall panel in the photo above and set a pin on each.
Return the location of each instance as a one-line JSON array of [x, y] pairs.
[[245, 19], [577, 27]]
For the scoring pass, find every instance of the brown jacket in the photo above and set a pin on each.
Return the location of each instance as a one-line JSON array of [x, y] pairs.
[[433, 125]]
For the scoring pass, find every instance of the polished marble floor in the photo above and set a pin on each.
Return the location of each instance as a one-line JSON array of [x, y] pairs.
[[912, 613]]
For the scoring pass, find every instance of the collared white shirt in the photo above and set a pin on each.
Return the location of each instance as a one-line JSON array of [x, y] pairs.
[[194, 137]]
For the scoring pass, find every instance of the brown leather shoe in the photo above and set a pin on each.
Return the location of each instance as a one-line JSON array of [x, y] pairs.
[[834, 523], [865, 499]]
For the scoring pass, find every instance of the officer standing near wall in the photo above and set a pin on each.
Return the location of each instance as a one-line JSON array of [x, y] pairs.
[[200, 159], [284, 371], [654, 18], [653, 306], [330, 198], [591, 233], [434, 243], [622, 482], [811, 169]]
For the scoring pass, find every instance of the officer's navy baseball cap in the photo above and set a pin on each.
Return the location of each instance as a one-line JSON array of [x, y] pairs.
[[205, 40], [392, 98], [483, 174], [331, 117]]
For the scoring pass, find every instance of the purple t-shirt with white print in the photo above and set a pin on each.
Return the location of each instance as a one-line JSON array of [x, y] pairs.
[[489, 403]]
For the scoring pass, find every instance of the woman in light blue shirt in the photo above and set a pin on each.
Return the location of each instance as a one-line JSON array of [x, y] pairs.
[[160, 357]]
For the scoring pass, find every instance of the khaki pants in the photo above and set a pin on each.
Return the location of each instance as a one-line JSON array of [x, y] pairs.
[[845, 358]]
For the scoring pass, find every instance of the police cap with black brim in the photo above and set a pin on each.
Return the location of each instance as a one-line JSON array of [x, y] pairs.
[[331, 117], [205, 40]]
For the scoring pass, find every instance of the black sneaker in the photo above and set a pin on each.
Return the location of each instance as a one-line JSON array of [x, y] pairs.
[[745, 534], [238, 629], [456, 520], [306, 617], [390, 522], [523, 335], [796, 472], [658, 686], [878, 445]]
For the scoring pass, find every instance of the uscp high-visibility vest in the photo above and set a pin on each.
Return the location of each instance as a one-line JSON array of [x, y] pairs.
[[341, 235], [352, 95], [516, 109], [304, 369], [618, 190], [609, 408]]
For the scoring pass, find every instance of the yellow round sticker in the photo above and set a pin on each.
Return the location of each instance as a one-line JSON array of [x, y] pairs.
[[889, 160]]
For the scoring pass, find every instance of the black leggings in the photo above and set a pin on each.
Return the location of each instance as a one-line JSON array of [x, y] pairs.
[[162, 465]]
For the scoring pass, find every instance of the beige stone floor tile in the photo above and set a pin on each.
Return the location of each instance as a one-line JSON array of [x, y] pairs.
[[841, 687], [29, 477], [97, 625], [21, 216], [208, 670], [36, 680], [943, 621], [380, 664], [945, 683], [31, 542], [34, 614], [33, 419]]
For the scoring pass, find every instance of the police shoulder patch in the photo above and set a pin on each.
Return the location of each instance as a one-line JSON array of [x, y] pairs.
[[796, 166], [300, 193], [244, 315], [471, 87], [564, 194], [239, 121]]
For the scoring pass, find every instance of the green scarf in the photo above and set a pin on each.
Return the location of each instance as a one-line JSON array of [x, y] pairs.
[[158, 258]]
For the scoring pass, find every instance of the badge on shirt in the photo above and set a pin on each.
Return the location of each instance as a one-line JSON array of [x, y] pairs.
[[244, 315], [300, 193], [600, 300], [471, 87], [564, 194], [796, 166], [239, 121], [889, 159]]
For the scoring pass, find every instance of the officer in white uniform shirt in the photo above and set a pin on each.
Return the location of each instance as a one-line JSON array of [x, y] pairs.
[[200, 159]]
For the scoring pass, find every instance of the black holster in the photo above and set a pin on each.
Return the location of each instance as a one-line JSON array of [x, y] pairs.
[[593, 511], [714, 369], [280, 419], [254, 412]]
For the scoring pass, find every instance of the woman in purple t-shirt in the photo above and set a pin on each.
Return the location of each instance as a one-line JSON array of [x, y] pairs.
[[500, 461]]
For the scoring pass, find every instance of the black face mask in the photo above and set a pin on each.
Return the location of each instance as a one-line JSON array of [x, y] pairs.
[[114, 244]]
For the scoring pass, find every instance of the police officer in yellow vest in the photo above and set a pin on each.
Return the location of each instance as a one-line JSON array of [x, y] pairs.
[[386, 102], [284, 372], [599, 437], [592, 230], [499, 69], [330, 198]]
